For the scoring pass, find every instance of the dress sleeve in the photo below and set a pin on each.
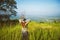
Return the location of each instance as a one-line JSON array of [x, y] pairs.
[[19, 20]]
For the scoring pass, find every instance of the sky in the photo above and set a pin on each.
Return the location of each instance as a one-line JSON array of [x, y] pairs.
[[38, 7]]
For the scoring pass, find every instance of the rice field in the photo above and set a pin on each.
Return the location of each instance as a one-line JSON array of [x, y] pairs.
[[37, 31]]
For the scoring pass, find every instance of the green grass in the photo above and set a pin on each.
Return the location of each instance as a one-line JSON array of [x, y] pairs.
[[37, 31]]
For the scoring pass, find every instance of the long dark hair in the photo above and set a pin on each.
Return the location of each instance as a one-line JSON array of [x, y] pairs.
[[24, 19]]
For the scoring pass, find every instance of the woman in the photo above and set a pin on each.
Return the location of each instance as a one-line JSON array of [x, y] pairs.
[[24, 24]]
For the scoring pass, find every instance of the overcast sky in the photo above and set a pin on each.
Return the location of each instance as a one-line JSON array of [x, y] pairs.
[[39, 7]]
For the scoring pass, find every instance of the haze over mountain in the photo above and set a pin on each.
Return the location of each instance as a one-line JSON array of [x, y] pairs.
[[36, 9]]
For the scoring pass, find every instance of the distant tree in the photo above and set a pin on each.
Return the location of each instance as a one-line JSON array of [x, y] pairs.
[[7, 8]]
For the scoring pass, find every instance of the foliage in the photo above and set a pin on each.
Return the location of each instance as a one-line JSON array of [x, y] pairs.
[[37, 31], [8, 7]]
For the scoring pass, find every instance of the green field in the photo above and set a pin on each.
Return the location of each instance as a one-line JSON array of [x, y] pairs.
[[37, 31]]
